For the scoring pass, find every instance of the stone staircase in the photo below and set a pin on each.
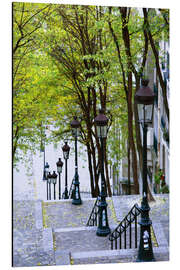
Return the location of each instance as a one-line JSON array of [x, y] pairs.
[[55, 233]]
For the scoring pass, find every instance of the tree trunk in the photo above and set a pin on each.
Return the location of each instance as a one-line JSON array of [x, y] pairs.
[[108, 186], [126, 39], [132, 147], [129, 168], [90, 171]]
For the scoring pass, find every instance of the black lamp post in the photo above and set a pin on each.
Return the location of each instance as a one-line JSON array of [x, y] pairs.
[[66, 150], [49, 183], [43, 150], [59, 164], [103, 229], [46, 170], [76, 198], [145, 101], [54, 181]]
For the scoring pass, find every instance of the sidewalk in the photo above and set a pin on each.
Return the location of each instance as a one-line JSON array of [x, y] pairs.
[[55, 232]]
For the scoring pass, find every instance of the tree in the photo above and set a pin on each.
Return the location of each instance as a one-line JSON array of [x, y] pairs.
[[127, 66], [29, 101], [71, 59], [79, 56], [153, 37]]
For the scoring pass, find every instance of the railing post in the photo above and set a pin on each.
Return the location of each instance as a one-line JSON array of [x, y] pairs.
[[125, 235], [120, 241], [130, 232], [135, 231], [111, 244], [116, 241]]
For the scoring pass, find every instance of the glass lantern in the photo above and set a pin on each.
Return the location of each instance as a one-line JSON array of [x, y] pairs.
[[49, 178], [145, 113], [144, 98], [101, 122], [54, 178], [59, 165], [66, 150], [75, 125]]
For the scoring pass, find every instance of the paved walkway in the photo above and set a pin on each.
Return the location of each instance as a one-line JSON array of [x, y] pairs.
[[55, 232]]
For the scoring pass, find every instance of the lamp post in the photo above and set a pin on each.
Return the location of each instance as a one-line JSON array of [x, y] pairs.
[[54, 181], [76, 198], [66, 150], [145, 101], [103, 229], [46, 170], [49, 183], [59, 164], [43, 145], [43, 150]]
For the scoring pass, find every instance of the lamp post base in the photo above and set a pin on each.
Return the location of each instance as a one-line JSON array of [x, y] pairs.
[[103, 231], [66, 194], [147, 260], [103, 226], [145, 252], [76, 197], [77, 201]]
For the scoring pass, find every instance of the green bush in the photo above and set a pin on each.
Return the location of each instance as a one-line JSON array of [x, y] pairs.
[[164, 189]]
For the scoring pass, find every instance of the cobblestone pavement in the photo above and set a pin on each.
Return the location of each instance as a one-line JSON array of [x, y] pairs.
[[28, 242], [23, 215], [49, 233], [28, 249], [64, 214], [80, 240]]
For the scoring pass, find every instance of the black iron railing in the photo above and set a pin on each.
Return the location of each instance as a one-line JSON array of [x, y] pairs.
[[125, 234], [92, 221]]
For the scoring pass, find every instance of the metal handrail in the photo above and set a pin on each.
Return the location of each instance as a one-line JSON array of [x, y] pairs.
[[92, 221], [122, 228]]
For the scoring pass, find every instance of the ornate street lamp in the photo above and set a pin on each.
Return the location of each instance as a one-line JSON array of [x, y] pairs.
[[49, 182], [145, 101], [46, 170], [103, 229], [66, 150], [59, 164], [76, 198], [54, 181]]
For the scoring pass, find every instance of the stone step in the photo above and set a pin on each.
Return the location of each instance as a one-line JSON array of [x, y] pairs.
[[84, 238], [62, 257], [114, 256], [79, 239], [55, 233]]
